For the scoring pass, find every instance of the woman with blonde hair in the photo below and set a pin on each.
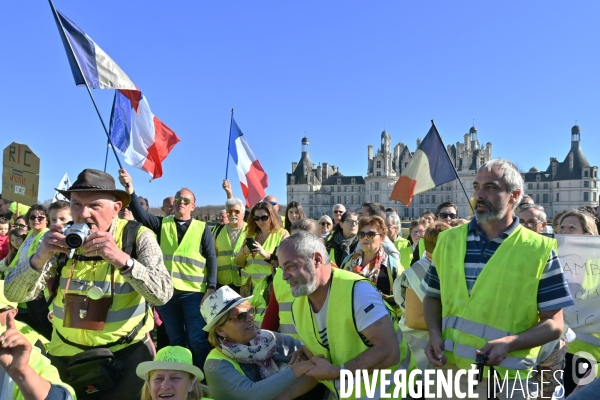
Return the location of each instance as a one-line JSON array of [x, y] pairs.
[[249, 363], [172, 375]]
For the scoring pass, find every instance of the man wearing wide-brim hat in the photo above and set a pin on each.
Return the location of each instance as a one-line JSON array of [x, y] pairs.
[[103, 292]]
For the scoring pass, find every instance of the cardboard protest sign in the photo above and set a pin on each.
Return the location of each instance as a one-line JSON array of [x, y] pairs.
[[580, 258], [20, 174]]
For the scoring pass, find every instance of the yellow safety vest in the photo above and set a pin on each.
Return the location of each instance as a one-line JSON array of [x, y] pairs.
[[405, 250], [228, 272], [32, 249], [345, 342], [31, 335], [127, 310], [283, 294], [503, 301], [258, 300], [257, 266], [183, 260]]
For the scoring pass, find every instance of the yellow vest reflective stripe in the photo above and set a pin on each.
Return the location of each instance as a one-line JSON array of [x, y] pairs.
[[127, 311], [228, 272], [283, 294], [258, 300], [183, 260], [405, 250], [469, 322], [345, 342], [258, 267]]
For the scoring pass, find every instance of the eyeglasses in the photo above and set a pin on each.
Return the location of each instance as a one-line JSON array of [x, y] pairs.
[[419, 232], [370, 234], [273, 203], [185, 200], [528, 223], [38, 217], [338, 212], [261, 218], [351, 221], [241, 317], [446, 215], [236, 212], [325, 223]]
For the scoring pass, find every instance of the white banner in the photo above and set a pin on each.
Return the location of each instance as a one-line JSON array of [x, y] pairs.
[[580, 259], [64, 184]]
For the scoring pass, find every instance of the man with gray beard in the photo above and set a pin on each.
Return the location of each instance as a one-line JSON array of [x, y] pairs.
[[355, 330], [494, 290]]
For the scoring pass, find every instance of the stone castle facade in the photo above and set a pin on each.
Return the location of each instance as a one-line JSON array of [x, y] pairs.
[[563, 185]]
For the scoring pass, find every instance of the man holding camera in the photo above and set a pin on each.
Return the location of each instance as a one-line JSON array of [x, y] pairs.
[[101, 313], [190, 257]]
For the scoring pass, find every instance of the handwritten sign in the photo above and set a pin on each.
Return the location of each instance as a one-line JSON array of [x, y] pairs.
[[20, 174], [580, 258]]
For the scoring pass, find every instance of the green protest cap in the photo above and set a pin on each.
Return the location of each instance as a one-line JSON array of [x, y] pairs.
[[170, 358]]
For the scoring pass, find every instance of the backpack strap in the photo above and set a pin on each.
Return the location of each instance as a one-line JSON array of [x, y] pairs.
[[218, 230]]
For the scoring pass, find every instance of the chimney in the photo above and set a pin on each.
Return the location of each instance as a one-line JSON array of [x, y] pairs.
[[325, 171]]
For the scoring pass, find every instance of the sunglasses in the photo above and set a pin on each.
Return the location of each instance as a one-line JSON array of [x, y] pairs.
[[338, 212], [446, 215], [273, 203], [38, 217], [370, 234], [236, 212], [185, 200], [325, 223], [241, 317], [261, 218]]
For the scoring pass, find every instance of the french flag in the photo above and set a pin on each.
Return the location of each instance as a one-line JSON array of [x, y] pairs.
[[253, 178], [134, 130], [429, 167]]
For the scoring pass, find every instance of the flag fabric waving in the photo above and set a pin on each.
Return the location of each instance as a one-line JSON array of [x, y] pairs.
[[253, 178], [65, 184], [142, 138], [429, 167]]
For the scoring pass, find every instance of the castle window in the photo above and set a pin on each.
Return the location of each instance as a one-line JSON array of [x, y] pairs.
[[585, 173], [586, 196], [546, 185], [339, 199], [360, 200], [353, 187], [537, 198], [538, 185], [421, 199], [557, 196], [433, 198], [345, 188], [352, 181], [339, 182], [586, 184], [376, 185], [594, 196], [339, 188], [545, 198], [405, 164], [378, 173], [530, 186], [353, 199], [481, 160], [378, 164], [331, 199], [360, 188], [426, 199], [376, 198], [345, 199], [331, 188], [557, 186]]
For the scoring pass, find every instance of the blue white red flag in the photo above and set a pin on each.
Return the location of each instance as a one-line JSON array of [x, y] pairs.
[[429, 167], [143, 139], [253, 178]]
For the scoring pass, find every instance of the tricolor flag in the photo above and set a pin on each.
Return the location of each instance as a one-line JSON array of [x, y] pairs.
[[65, 184], [135, 131], [253, 178], [430, 167]]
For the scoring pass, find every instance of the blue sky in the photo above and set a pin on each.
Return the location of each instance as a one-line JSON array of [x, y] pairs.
[[341, 71]]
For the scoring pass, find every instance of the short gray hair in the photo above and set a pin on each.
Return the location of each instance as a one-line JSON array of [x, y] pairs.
[[540, 209], [338, 205], [234, 201], [395, 220], [306, 244], [510, 173]]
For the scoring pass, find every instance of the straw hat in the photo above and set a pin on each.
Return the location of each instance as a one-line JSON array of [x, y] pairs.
[[171, 358], [218, 304]]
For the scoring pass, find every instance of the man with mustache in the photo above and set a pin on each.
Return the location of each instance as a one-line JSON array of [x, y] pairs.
[[340, 316], [494, 289], [229, 239]]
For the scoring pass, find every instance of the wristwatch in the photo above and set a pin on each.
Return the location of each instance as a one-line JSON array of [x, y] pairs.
[[128, 265]]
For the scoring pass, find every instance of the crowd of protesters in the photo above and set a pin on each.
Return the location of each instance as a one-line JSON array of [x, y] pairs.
[[269, 306]]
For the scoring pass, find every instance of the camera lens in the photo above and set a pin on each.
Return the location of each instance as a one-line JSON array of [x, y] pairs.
[[74, 241]]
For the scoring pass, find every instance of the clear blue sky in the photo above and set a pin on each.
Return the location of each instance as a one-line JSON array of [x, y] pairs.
[[340, 71]]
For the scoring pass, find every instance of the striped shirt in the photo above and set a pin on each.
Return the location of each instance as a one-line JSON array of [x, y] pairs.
[[553, 290]]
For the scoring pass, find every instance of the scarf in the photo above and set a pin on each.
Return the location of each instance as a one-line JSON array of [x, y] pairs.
[[260, 352], [371, 270]]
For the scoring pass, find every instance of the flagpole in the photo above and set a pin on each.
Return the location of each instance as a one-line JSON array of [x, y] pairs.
[[229, 144], [86, 84], [453, 168], [106, 156]]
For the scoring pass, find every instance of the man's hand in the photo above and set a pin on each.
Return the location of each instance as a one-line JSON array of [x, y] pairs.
[[208, 293], [52, 242], [14, 348], [435, 350], [102, 244], [323, 369], [302, 354], [496, 350], [125, 180]]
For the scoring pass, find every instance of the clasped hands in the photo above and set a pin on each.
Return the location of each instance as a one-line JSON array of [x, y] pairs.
[[305, 363]]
